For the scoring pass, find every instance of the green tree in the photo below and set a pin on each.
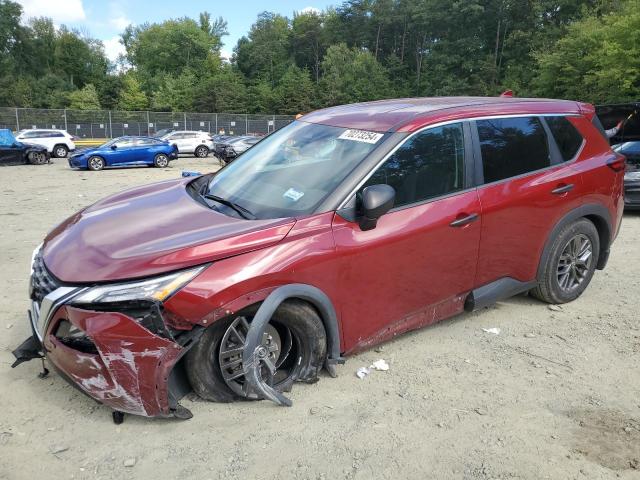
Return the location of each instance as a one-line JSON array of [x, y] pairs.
[[225, 91], [352, 75], [598, 60], [295, 92], [175, 93], [84, 99], [131, 96], [264, 53]]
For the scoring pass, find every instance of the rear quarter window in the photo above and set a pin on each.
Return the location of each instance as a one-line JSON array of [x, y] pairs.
[[566, 136], [512, 147]]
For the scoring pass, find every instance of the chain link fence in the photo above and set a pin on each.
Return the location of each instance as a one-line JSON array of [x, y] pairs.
[[116, 123]]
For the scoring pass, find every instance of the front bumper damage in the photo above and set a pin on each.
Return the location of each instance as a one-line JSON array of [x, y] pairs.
[[116, 361]]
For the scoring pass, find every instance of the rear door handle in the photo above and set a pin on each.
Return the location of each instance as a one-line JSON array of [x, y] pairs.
[[562, 189], [461, 222]]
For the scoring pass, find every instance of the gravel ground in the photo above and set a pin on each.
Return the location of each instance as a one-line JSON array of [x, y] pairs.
[[555, 395]]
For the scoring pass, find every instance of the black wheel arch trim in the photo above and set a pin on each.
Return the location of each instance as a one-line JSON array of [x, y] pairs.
[[250, 355], [601, 218]]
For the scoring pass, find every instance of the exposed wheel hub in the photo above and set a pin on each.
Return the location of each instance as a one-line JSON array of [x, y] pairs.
[[271, 352]]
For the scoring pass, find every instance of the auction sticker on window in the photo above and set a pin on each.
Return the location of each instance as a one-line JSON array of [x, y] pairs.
[[361, 136]]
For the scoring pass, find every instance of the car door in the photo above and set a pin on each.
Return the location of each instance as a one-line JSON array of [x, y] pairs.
[[122, 154], [525, 187], [417, 264]]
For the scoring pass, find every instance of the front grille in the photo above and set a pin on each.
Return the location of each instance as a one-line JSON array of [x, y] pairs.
[[42, 282]]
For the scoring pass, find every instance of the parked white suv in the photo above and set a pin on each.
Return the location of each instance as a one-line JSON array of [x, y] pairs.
[[189, 141], [57, 142]]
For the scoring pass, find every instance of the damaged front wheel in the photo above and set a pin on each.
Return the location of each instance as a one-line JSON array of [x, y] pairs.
[[294, 344]]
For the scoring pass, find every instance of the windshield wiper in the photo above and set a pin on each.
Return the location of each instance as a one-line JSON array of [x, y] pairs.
[[243, 212]]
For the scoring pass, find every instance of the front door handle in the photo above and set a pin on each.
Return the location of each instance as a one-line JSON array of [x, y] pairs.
[[562, 189], [461, 222]]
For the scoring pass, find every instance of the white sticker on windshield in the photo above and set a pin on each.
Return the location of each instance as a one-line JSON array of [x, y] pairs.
[[361, 136], [293, 194]]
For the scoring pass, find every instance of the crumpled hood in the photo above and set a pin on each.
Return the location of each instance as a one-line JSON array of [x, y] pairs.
[[150, 230]]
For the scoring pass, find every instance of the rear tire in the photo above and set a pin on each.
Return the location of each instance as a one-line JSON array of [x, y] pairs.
[[60, 151], [95, 164], [571, 263], [304, 357]]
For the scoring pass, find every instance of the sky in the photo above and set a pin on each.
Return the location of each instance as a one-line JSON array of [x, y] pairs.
[[106, 19]]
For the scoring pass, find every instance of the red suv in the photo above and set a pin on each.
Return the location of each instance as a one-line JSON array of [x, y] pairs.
[[349, 226]]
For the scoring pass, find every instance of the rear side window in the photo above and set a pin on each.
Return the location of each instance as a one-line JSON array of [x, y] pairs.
[[428, 165], [566, 135], [512, 147]]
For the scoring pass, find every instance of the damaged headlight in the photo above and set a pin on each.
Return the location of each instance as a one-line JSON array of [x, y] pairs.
[[153, 289]]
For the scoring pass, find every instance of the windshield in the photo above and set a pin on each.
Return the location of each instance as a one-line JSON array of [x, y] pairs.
[[293, 170]]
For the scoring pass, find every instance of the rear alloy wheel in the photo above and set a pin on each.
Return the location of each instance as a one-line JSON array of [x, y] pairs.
[[95, 163], [60, 151], [571, 263], [37, 158], [295, 342], [202, 151], [161, 160]]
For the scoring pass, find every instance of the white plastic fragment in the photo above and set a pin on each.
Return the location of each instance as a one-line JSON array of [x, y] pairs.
[[380, 365], [494, 330]]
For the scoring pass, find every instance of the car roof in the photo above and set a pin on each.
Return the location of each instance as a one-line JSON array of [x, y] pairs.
[[188, 131], [409, 114]]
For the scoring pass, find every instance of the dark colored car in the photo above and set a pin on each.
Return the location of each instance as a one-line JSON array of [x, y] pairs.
[[220, 143], [631, 151], [162, 132], [627, 113], [125, 152], [237, 146], [14, 152], [337, 232]]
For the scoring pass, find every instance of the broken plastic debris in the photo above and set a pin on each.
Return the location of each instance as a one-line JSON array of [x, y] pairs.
[[494, 330], [380, 365]]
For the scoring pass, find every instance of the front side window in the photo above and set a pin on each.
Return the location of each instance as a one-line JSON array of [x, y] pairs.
[[293, 170], [428, 165], [512, 147], [566, 135]]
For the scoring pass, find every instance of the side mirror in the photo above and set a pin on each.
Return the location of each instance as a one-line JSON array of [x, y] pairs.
[[376, 201], [114, 147]]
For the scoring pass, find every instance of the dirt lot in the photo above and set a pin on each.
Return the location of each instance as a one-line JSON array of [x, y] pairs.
[[555, 395]]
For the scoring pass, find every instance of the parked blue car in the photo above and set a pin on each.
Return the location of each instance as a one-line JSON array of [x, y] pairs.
[[125, 152]]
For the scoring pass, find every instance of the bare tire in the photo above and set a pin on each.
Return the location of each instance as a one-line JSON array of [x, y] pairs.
[[295, 338], [60, 151], [202, 151], [95, 163], [571, 263], [37, 158], [161, 161]]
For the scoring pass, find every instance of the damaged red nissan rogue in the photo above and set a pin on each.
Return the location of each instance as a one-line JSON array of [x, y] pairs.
[[347, 227]]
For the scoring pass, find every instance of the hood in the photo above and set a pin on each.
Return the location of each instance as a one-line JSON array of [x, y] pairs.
[[33, 146], [86, 150], [150, 230]]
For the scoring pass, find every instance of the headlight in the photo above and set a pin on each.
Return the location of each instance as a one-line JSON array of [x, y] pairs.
[[158, 288], [632, 176]]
